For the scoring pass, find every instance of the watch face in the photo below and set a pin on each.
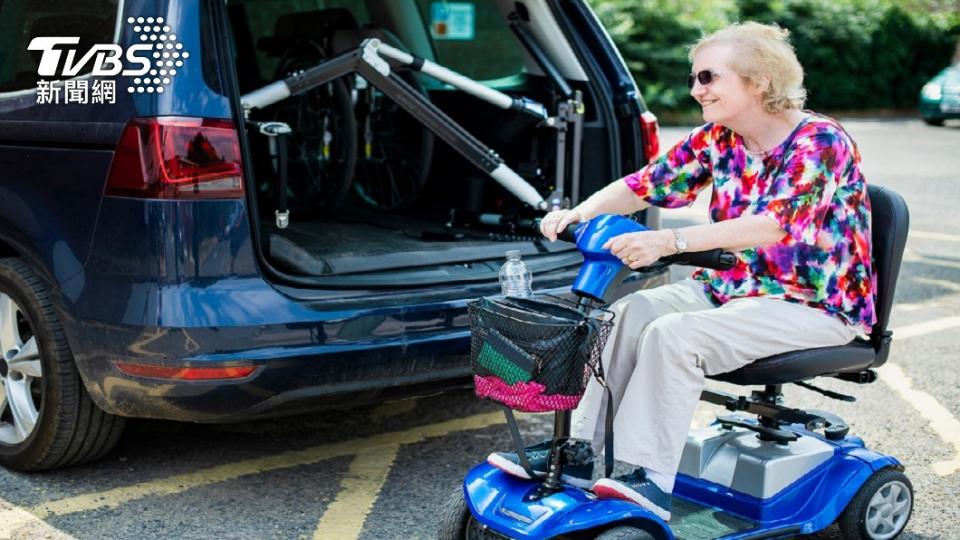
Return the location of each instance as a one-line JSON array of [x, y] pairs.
[[681, 243]]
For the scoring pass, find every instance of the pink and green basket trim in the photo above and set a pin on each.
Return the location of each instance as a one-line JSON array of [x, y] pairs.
[[523, 396]]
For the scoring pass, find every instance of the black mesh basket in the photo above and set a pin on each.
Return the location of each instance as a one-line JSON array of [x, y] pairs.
[[534, 355]]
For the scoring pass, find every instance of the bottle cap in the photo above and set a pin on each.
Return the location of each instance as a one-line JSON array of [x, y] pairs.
[[513, 254]]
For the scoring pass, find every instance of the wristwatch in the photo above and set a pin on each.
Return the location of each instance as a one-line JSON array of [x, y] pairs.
[[679, 242]]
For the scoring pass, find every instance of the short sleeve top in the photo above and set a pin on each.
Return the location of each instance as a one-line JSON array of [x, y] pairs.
[[811, 185]]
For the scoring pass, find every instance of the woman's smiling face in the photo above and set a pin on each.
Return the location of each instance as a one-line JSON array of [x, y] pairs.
[[728, 95]]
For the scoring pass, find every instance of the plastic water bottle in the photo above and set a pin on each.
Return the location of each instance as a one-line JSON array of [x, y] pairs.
[[515, 277]]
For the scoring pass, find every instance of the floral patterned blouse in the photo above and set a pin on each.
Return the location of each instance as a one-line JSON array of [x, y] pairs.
[[811, 185]]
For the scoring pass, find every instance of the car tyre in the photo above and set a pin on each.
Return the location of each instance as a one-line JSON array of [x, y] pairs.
[[937, 122], [880, 510], [59, 424]]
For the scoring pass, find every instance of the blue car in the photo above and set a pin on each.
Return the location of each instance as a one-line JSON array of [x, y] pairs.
[[940, 97], [168, 253]]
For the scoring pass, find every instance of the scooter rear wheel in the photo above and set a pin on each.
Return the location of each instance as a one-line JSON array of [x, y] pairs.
[[880, 510]]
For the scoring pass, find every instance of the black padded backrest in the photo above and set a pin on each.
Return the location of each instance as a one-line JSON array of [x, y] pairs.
[[889, 225]]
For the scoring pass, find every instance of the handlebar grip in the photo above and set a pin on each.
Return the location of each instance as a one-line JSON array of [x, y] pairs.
[[717, 259], [570, 233]]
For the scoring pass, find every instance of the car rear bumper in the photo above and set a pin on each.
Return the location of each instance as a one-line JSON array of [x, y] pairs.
[[305, 357], [296, 380]]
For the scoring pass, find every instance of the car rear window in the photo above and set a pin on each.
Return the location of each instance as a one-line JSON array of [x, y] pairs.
[[262, 17], [93, 21], [469, 37], [472, 38]]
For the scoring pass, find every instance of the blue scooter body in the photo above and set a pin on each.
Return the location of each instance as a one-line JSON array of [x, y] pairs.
[[506, 504], [600, 268]]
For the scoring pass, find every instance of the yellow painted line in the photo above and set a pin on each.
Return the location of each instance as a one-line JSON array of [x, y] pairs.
[[13, 518], [113, 498], [359, 490], [392, 408], [16, 522], [933, 236], [943, 423]]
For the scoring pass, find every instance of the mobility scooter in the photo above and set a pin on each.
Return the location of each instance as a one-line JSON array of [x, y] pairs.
[[782, 473]]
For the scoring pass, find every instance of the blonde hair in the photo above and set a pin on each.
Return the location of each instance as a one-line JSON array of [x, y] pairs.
[[762, 50]]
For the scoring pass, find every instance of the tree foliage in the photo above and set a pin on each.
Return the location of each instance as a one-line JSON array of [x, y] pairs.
[[857, 54]]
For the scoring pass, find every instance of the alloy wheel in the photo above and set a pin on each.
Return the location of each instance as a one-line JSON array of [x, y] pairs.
[[21, 374]]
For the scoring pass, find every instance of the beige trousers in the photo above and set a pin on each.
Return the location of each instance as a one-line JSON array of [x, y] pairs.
[[664, 342]]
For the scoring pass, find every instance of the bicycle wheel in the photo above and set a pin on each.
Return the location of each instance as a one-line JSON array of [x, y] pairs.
[[396, 150], [323, 146]]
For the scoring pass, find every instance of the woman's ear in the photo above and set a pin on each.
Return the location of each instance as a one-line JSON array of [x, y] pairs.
[[761, 84]]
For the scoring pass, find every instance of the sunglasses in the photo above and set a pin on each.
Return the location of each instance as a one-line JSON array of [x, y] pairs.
[[704, 77]]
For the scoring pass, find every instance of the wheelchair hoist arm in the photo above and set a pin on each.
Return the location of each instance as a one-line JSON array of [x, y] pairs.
[[367, 61]]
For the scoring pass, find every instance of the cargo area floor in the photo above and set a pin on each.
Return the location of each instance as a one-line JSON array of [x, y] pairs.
[[324, 248]]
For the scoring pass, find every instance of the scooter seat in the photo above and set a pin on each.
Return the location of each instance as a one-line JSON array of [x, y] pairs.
[[890, 220], [804, 364]]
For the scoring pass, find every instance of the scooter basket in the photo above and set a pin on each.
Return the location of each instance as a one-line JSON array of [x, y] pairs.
[[534, 355]]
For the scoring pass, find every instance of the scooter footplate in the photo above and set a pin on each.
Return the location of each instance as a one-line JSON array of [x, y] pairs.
[[691, 521]]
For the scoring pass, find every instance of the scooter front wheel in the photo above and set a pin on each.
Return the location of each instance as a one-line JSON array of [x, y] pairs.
[[880, 510], [625, 532], [456, 522]]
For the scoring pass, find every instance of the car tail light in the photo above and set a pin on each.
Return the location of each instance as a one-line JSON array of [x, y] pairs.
[[184, 373], [177, 158], [650, 131]]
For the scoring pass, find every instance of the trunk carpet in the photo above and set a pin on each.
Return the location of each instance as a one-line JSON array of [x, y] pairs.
[[315, 248]]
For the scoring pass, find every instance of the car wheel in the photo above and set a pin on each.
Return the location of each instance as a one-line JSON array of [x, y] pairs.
[[880, 510], [933, 121], [47, 420]]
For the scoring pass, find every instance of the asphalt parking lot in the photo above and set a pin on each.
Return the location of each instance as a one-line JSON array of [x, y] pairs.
[[384, 471]]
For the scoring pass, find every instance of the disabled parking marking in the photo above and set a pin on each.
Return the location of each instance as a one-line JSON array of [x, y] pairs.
[[946, 426], [113, 498], [16, 522], [359, 490]]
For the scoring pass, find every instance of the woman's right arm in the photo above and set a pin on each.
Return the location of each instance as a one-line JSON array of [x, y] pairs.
[[670, 181], [616, 198]]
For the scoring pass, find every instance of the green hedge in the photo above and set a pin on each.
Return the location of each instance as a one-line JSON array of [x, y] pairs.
[[857, 54]]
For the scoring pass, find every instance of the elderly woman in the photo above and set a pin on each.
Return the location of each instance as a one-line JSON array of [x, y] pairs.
[[788, 197]]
